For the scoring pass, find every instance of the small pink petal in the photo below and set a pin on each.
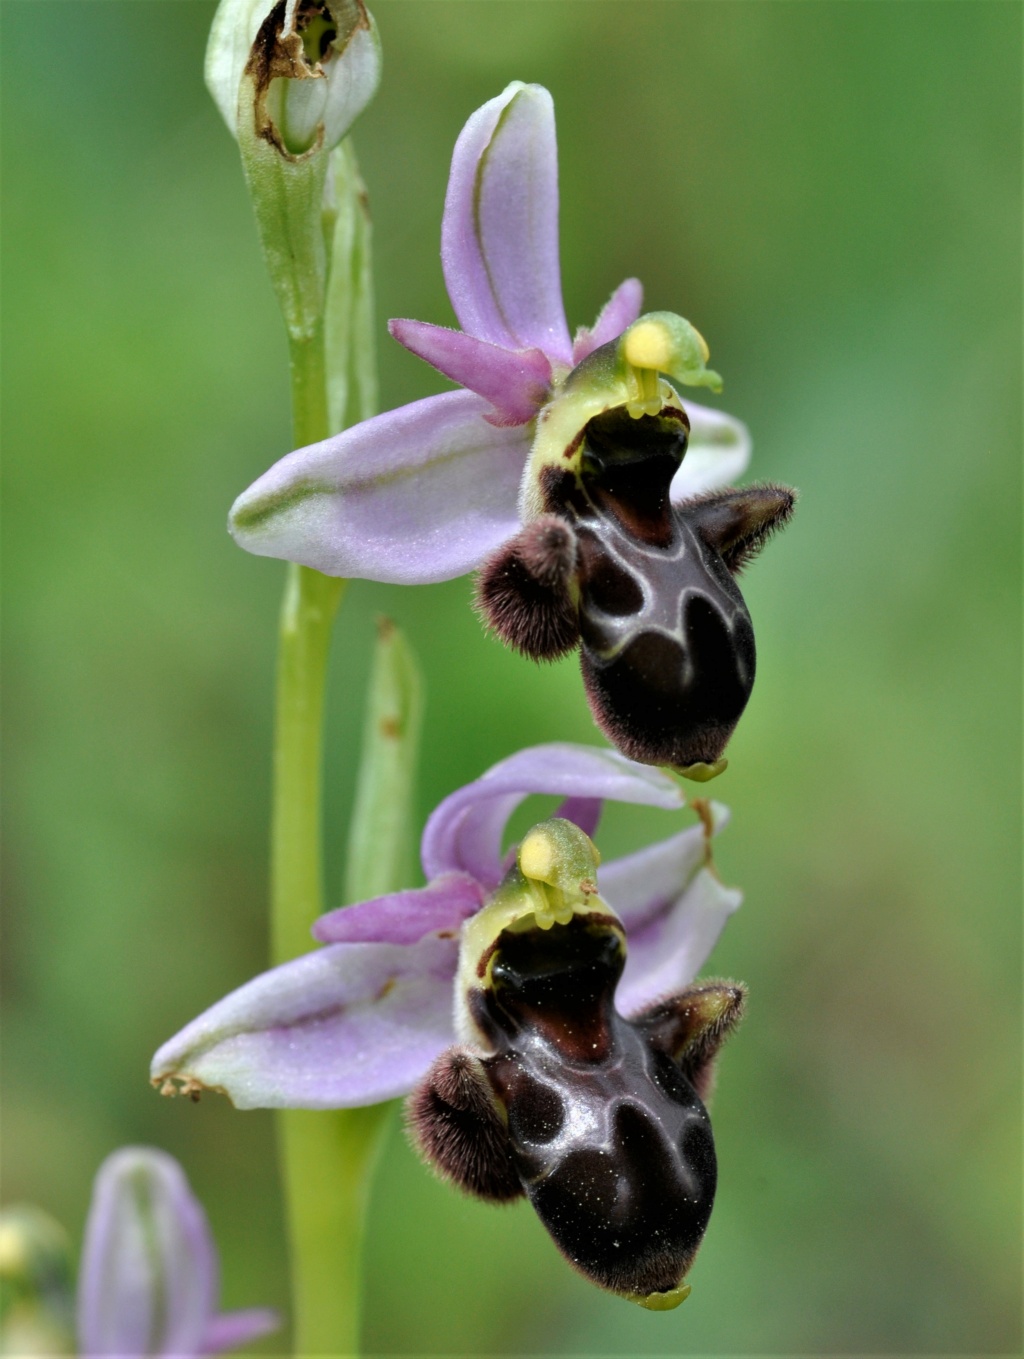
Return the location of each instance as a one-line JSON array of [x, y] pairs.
[[404, 917], [231, 1329], [584, 812], [515, 381], [618, 313]]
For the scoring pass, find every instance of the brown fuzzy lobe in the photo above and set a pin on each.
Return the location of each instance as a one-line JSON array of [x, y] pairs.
[[452, 1121], [523, 590], [692, 1027], [547, 548], [738, 523]]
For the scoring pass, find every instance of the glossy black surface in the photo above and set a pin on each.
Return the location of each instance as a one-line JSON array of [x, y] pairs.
[[667, 645], [611, 1142]]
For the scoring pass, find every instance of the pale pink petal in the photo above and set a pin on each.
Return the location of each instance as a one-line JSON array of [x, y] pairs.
[[465, 832], [642, 886], [420, 494], [674, 908], [347, 1025], [499, 236], [667, 953]]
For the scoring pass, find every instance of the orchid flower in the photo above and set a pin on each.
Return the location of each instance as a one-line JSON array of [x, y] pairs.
[[149, 1277], [559, 468], [362, 1019], [387, 1004], [426, 492]]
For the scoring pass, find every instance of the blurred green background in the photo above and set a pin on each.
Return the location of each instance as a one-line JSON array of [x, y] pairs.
[[832, 192]]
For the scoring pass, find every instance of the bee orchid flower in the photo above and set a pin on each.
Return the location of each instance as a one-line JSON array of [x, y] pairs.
[[407, 995], [570, 471]]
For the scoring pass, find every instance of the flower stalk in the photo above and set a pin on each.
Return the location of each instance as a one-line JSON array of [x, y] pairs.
[[326, 1158], [307, 362], [327, 1162], [307, 614]]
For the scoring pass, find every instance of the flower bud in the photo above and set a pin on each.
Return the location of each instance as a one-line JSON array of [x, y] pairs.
[[290, 79], [300, 70], [148, 1276]]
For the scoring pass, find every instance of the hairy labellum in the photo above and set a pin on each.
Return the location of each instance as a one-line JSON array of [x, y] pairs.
[[597, 1119], [646, 588]]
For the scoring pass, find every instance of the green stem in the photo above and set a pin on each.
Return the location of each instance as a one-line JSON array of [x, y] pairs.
[[307, 614], [296, 893], [327, 1161], [326, 1158], [307, 362]]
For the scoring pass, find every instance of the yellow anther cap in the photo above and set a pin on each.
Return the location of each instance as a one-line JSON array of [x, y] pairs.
[[649, 345], [663, 342], [537, 855]]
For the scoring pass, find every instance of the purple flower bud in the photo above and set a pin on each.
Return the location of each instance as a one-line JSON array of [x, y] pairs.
[[149, 1277]]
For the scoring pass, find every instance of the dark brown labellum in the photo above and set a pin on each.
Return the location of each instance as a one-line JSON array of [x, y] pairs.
[[596, 1118], [647, 588]]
